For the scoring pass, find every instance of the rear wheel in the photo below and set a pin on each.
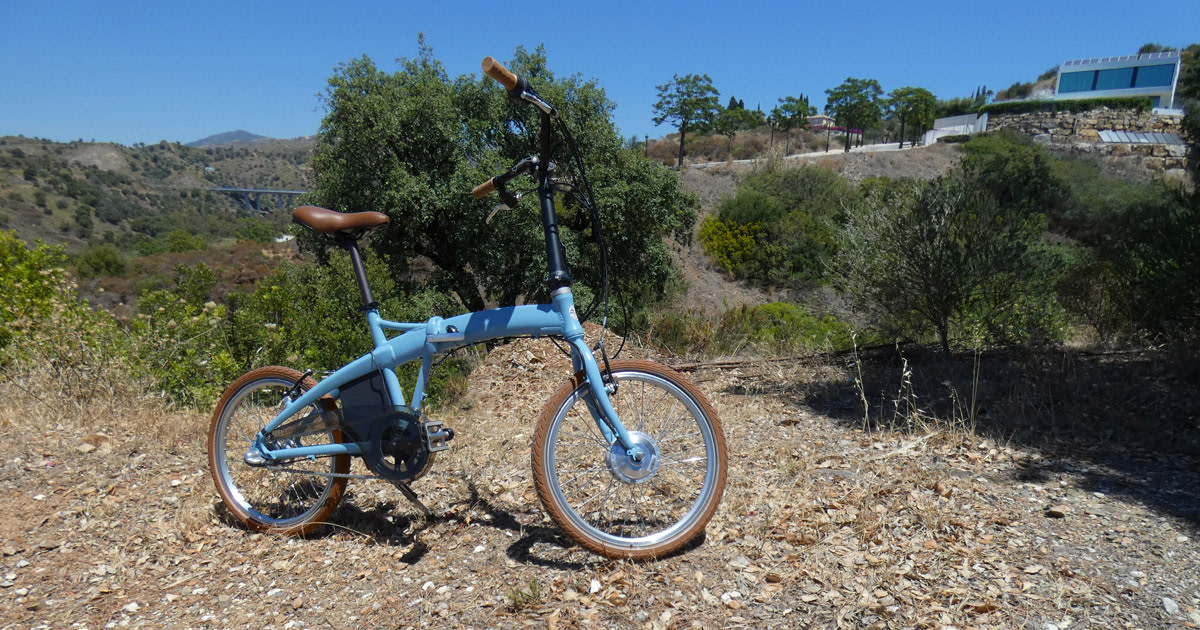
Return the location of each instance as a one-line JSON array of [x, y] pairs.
[[611, 504], [265, 497]]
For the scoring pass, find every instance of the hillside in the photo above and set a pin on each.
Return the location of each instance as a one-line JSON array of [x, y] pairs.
[[79, 192], [229, 137]]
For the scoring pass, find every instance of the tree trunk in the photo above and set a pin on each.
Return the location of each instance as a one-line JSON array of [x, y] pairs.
[[846, 132], [901, 132], [944, 336], [682, 136]]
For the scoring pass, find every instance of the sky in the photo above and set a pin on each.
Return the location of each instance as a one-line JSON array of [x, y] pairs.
[[129, 71]]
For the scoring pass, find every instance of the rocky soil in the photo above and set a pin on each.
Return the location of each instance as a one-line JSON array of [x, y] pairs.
[[111, 523]]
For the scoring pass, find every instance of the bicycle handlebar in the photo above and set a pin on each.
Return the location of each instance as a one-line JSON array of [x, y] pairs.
[[497, 71], [484, 189]]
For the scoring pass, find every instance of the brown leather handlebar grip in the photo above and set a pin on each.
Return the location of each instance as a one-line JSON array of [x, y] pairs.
[[485, 188], [498, 72]]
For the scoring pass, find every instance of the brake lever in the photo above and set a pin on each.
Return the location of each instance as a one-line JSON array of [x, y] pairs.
[[510, 201]]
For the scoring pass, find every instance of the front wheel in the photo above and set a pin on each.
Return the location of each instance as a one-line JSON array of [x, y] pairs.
[[610, 504], [292, 497]]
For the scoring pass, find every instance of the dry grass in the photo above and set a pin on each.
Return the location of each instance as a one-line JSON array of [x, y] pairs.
[[823, 524]]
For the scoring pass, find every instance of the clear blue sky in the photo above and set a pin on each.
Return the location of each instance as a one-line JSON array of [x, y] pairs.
[[146, 71]]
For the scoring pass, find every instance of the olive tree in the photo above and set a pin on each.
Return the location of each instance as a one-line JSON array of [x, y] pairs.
[[413, 143], [945, 255]]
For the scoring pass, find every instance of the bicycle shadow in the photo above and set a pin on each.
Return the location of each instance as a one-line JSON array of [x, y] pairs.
[[387, 523], [394, 524]]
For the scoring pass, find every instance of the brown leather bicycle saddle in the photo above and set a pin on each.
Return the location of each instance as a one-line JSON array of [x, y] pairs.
[[330, 221]]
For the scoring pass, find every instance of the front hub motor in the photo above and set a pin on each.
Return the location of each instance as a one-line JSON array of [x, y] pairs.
[[624, 468]]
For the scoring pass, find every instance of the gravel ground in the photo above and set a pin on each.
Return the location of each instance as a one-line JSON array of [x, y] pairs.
[[823, 525]]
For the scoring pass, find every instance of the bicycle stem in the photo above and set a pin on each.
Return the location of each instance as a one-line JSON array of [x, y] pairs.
[[559, 275]]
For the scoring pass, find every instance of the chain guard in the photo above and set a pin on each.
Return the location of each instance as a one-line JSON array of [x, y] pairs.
[[395, 449]]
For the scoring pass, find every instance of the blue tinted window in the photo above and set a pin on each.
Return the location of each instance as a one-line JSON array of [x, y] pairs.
[[1076, 81], [1115, 79], [1155, 76]]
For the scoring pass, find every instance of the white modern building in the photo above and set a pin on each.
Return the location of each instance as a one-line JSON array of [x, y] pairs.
[[1154, 75]]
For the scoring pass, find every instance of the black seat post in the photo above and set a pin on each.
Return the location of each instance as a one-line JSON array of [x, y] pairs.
[[360, 273]]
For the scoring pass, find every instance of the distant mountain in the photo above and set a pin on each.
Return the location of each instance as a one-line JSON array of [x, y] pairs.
[[229, 137]]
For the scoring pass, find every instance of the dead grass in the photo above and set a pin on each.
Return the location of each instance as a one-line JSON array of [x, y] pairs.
[[824, 524]]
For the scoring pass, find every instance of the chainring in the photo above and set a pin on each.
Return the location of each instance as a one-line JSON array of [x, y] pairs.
[[395, 449]]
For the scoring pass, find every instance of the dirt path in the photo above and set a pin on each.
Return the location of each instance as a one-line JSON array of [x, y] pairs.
[[823, 525]]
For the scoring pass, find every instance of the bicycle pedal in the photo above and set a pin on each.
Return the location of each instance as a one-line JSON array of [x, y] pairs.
[[437, 438]]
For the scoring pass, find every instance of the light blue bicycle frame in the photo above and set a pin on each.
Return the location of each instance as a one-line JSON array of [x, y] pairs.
[[425, 340]]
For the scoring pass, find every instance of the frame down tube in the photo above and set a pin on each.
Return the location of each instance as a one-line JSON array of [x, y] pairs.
[[528, 320]]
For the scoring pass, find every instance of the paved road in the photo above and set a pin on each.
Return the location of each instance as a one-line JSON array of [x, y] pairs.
[[839, 150]]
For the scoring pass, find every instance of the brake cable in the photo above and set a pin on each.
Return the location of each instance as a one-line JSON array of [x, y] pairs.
[[598, 235]]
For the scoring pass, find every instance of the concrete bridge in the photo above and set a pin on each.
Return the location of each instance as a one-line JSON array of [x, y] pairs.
[[252, 197]]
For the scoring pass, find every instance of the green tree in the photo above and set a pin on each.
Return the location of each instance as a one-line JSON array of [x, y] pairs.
[[1151, 47], [856, 103], [731, 120], [792, 112], [413, 143], [945, 255], [1189, 72], [687, 102], [913, 106]]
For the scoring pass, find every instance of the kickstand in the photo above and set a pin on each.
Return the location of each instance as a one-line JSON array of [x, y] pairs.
[[412, 496]]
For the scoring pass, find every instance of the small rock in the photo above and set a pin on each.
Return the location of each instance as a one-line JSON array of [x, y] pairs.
[[297, 603], [275, 592], [21, 564], [6, 584], [39, 497], [479, 549], [131, 607], [49, 544], [1170, 606], [85, 448], [21, 592], [170, 597], [9, 550], [176, 483], [1180, 538], [426, 586], [1057, 511], [594, 587]]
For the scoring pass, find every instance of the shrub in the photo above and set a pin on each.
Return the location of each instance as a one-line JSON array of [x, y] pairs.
[[950, 257], [184, 241], [680, 333], [101, 260], [780, 228], [778, 328], [728, 242], [955, 139]]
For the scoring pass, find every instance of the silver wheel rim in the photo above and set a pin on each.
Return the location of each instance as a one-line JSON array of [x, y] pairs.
[[651, 406], [262, 477]]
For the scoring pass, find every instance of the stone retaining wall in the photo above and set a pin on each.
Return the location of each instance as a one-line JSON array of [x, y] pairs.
[[1079, 132]]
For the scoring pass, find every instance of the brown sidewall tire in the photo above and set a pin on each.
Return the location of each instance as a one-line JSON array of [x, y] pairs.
[[341, 463], [542, 480]]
